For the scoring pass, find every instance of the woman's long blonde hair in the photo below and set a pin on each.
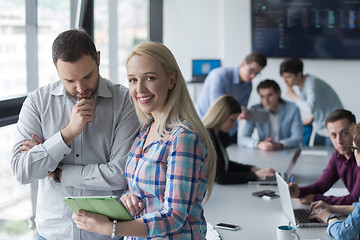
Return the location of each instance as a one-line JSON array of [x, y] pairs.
[[220, 110], [178, 106]]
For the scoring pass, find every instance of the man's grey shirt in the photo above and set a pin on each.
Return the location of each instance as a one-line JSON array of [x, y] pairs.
[[92, 165], [318, 98]]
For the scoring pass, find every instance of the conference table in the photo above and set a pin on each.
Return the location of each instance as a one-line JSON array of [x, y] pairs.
[[258, 217]]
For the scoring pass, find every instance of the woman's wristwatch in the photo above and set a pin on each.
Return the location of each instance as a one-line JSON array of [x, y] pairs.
[[332, 216]]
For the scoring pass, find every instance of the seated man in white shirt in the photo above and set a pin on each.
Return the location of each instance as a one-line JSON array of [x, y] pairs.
[[283, 129]]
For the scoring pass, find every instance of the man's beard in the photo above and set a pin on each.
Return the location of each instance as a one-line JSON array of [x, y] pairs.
[[89, 95]]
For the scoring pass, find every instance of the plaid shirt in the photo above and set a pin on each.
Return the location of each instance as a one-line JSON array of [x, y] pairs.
[[170, 176]]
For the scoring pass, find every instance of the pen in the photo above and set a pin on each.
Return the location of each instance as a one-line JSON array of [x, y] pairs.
[[291, 181]]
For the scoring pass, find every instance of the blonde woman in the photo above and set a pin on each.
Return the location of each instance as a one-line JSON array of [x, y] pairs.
[[171, 166], [221, 117]]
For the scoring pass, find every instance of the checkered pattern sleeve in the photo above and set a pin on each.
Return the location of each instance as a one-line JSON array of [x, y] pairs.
[[183, 190]]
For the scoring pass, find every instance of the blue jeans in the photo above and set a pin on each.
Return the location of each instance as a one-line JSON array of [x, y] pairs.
[[39, 237], [307, 134]]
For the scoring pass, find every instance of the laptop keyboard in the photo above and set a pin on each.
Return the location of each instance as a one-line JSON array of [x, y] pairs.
[[302, 215], [270, 178]]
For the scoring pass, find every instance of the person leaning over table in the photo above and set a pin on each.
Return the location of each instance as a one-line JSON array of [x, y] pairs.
[[171, 165], [342, 165], [314, 96], [350, 227], [74, 136], [235, 81], [283, 129], [222, 116]]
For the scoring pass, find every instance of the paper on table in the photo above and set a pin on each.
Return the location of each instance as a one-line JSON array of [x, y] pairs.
[[211, 233], [314, 152]]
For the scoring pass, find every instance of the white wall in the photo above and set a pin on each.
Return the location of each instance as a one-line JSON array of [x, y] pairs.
[[221, 29]]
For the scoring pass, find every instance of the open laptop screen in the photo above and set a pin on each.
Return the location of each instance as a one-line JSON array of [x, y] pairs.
[[287, 174], [201, 68]]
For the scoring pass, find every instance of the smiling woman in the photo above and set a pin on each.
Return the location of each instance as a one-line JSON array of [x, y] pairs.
[[172, 143], [149, 85]]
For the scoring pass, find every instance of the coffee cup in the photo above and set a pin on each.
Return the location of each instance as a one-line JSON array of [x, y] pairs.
[[287, 232]]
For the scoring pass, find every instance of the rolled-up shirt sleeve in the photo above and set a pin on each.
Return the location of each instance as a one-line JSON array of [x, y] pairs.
[[347, 229]]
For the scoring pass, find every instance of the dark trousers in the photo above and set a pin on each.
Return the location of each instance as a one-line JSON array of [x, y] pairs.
[[322, 141]]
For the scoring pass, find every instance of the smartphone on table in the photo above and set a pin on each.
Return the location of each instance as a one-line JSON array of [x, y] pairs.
[[228, 226], [266, 194]]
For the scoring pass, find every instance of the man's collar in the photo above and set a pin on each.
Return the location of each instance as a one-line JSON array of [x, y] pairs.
[[103, 89], [236, 76], [59, 90], [343, 158]]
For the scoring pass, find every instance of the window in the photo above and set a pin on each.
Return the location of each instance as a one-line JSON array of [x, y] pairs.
[[17, 78], [132, 18], [12, 49], [15, 200], [53, 18], [132, 29]]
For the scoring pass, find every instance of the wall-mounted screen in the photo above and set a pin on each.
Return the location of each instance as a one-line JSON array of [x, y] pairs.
[[306, 28]]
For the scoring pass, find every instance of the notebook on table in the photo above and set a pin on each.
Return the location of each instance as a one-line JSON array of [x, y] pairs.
[[298, 217], [271, 180]]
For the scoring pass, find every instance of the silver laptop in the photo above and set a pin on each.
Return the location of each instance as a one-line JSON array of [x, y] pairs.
[[271, 180], [298, 217]]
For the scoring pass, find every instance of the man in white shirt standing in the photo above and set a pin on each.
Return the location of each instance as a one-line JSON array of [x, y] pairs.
[[74, 136]]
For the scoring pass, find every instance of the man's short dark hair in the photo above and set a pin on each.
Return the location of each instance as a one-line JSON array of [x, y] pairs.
[[69, 46], [291, 65], [269, 83], [339, 114], [257, 57]]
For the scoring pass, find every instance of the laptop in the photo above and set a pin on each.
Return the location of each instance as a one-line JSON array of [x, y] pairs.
[[298, 217], [201, 68], [271, 180]]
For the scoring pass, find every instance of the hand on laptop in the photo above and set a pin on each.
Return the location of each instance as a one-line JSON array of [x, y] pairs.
[[320, 210], [319, 205], [319, 213], [263, 172], [334, 209]]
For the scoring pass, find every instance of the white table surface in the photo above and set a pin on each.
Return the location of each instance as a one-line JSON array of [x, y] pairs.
[[257, 217]]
